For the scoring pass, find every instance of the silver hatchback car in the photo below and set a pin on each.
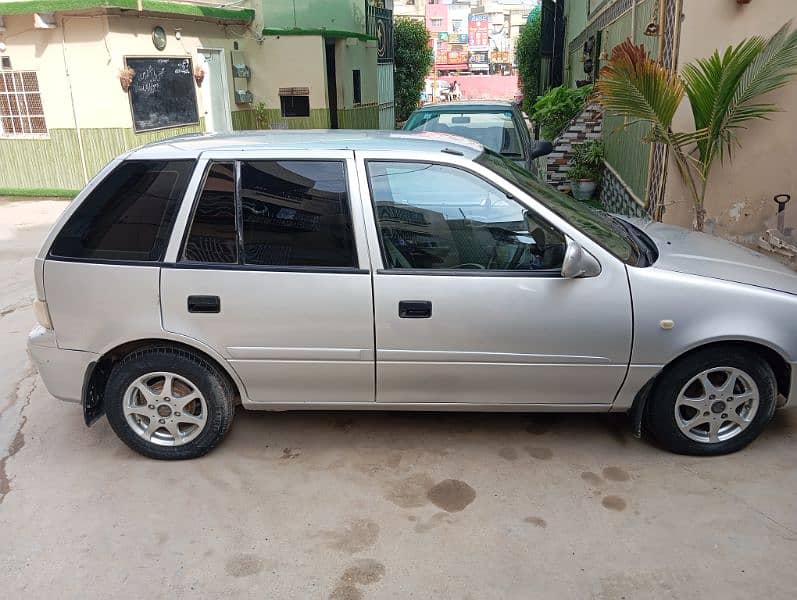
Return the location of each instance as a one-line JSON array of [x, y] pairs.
[[366, 270]]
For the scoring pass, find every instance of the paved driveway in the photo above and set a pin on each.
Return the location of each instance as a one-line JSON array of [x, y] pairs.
[[354, 505]]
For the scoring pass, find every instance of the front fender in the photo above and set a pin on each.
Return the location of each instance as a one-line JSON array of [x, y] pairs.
[[675, 313]]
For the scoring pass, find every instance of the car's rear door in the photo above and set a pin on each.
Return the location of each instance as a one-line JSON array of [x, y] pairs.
[[272, 272], [470, 306]]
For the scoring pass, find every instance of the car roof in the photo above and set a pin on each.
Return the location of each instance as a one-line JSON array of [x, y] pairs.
[[192, 145], [460, 105]]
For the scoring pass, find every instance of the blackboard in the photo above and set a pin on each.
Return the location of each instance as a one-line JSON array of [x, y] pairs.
[[162, 93]]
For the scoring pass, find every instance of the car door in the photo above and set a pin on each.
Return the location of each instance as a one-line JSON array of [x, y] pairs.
[[272, 272], [470, 306]]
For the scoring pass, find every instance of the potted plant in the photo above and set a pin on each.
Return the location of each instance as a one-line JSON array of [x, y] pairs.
[[586, 169], [126, 77], [724, 92]]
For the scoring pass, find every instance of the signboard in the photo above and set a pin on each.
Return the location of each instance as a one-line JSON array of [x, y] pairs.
[[479, 61], [457, 55], [499, 57], [442, 36], [462, 38], [478, 32], [162, 93], [380, 25]]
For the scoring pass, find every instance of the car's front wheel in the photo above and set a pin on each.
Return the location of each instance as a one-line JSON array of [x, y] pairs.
[[714, 401], [168, 403]]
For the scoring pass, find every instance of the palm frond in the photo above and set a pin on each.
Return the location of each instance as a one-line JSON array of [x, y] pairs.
[[636, 87], [722, 89], [711, 85]]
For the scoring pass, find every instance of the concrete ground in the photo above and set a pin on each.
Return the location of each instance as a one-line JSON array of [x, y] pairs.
[[353, 505]]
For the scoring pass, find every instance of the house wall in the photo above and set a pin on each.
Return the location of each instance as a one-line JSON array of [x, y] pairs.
[[91, 49], [739, 201], [335, 15], [353, 54], [271, 70], [576, 15]]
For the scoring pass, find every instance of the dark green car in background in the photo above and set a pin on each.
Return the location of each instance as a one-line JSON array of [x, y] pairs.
[[496, 124]]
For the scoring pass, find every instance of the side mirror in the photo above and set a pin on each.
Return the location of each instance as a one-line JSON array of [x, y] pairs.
[[579, 263], [541, 148]]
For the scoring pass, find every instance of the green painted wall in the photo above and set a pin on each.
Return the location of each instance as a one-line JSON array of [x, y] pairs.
[[364, 117], [273, 119], [576, 14], [53, 163], [336, 15], [626, 151]]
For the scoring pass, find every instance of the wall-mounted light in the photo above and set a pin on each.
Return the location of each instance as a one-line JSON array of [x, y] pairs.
[[178, 33]]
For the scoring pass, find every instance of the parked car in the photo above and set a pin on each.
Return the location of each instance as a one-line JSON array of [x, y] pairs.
[[496, 124], [393, 271]]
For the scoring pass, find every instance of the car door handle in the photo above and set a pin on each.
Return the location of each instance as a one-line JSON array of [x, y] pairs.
[[415, 309], [204, 304]]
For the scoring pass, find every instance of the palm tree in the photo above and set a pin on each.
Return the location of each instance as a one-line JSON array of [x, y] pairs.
[[723, 90]]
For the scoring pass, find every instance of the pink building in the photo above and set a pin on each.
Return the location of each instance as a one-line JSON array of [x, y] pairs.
[[437, 18]]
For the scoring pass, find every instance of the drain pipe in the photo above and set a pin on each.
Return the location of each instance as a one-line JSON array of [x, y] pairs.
[[633, 21], [72, 102]]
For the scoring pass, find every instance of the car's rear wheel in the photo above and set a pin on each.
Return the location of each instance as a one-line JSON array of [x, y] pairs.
[[714, 401], [168, 403]]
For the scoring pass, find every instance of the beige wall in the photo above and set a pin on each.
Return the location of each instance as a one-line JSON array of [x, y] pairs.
[[739, 201], [94, 51], [133, 37], [288, 61], [40, 50]]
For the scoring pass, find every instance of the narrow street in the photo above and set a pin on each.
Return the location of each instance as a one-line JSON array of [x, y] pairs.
[[355, 505]]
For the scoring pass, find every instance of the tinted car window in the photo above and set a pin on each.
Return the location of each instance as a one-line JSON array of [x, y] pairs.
[[213, 237], [129, 215], [598, 225], [296, 213], [494, 130], [439, 217]]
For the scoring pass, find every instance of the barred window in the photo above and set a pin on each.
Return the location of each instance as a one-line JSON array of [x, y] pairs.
[[21, 111]]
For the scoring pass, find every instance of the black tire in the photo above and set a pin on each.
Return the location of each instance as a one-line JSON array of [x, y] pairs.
[[214, 386], [660, 420]]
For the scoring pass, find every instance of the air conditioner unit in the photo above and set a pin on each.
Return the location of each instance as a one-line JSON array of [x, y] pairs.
[[243, 97]]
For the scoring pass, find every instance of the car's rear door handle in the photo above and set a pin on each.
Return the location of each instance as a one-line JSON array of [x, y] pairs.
[[415, 309], [204, 304]]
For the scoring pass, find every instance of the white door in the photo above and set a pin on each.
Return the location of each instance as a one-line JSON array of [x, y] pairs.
[[215, 96]]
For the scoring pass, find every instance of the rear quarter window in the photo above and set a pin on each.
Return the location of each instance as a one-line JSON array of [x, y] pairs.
[[129, 215]]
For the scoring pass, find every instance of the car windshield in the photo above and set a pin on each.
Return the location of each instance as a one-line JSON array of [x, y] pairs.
[[599, 226], [494, 130]]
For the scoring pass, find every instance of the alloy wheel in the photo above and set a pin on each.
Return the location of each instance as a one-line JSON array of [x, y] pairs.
[[165, 409], [717, 405]]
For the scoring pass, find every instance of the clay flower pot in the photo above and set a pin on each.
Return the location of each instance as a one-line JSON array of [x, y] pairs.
[[584, 189], [199, 75], [126, 77]]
